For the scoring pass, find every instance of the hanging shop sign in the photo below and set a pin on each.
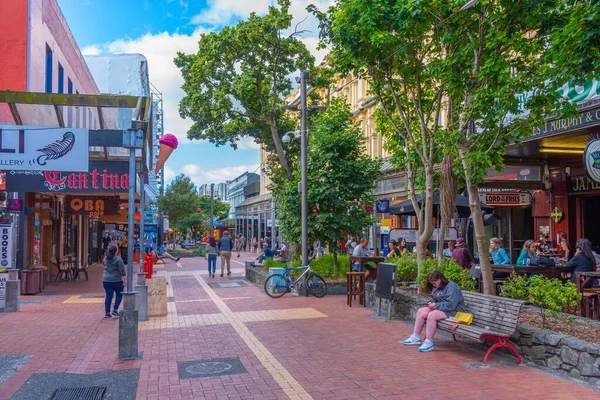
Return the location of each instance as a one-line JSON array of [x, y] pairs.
[[591, 159], [507, 199], [515, 173], [557, 214], [43, 149], [5, 246], [582, 184], [383, 206], [15, 205], [103, 176], [91, 205], [2, 180]]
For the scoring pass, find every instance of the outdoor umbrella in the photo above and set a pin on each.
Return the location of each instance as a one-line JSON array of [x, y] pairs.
[[462, 206]]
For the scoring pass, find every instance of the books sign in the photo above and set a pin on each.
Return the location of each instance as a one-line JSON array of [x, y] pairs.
[[5, 246], [45, 149]]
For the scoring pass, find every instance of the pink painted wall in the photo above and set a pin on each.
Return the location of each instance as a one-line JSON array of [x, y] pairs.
[[46, 25]]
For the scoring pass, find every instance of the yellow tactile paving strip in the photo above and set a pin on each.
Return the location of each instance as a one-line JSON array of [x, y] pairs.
[[275, 315], [80, 300], [291, 387]]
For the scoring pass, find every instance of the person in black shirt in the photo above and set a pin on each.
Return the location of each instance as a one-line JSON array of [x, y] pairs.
[[106, 241], [583, 261], [394, 251]]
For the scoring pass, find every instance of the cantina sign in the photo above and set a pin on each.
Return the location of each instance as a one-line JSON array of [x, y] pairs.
[[103, 176], [91, 205]]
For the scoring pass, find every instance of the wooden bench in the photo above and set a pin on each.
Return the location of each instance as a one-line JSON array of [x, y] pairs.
[[494, 318]]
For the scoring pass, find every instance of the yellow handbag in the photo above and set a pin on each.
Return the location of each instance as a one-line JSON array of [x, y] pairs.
[[463, 318]]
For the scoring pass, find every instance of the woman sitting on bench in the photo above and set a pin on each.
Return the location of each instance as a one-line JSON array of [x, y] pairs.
[[446, 300]]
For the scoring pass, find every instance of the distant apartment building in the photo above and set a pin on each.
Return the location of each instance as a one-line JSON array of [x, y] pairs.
[[220, 190], [237, 190]]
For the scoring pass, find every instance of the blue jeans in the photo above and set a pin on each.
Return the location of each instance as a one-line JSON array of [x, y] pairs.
[[110, 288], [262, 258], [212, 263]]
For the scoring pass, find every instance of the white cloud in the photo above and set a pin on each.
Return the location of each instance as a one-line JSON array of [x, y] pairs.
[[92, 50], [169, 175], [191, 169], [221, 12], [247, 143]]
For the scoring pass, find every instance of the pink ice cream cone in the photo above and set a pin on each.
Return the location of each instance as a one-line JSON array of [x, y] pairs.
[[168, 143]]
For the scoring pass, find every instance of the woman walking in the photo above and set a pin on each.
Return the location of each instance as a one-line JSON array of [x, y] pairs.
[[211, 256], [446, 300], [113, 281]]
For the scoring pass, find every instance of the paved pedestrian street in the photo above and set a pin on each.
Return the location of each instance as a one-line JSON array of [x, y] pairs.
[[223, 338]]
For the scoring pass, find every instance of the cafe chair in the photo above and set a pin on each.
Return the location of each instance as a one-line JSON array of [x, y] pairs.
[[355, 286]]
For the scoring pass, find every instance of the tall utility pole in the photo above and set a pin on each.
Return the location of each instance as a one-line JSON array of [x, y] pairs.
[[212, 194], [304, 75]]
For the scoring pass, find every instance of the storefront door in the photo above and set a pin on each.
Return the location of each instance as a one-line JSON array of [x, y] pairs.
[[591, 220]]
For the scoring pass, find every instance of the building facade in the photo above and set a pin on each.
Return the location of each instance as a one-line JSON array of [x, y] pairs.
[[235, 194]]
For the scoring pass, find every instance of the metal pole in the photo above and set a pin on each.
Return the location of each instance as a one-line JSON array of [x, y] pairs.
[[304, 150], [273, 229], [212, 224], [142, 214], [131, 220]]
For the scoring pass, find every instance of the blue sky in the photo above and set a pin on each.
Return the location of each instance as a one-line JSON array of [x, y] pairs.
[[158, 29]]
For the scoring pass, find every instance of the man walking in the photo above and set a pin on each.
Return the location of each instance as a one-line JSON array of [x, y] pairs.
[[225, 245]]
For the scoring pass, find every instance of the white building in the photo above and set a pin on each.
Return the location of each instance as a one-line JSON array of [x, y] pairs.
[[236, 190], [219, 192]]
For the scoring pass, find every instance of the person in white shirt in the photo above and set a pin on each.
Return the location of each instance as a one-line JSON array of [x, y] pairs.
[[448, 250]]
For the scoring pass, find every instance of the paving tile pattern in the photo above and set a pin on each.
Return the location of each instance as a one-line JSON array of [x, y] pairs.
[[293, 347]]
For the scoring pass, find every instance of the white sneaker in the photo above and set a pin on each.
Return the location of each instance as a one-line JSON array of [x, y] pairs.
[[413, 340], [426, 346]]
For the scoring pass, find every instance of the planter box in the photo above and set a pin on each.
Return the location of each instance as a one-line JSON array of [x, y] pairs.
[[258, 277], [32, 281]]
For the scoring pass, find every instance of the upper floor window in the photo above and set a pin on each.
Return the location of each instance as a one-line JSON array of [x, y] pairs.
[[61, 79], [48, 69]]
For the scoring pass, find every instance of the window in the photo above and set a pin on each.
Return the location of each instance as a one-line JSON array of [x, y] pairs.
[[61, 79], [48, 69], [69, 86]]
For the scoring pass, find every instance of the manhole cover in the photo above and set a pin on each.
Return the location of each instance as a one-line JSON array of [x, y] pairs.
[[170, 299], [210, 367], [229, 284], [87, 393], [213, 367]]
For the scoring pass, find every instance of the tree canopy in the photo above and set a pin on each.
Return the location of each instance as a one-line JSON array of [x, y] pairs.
[[236, 83], [341, 180], [179, 200]]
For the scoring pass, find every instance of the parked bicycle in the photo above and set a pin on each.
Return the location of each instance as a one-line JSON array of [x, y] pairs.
[[277, 285]]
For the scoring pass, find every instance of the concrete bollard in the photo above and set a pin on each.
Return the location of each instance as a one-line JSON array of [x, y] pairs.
[[12, 302], [128, 328], [141, 298], [13, 274]]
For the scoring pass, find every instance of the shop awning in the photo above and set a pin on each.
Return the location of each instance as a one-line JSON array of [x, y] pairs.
[[462, 206]]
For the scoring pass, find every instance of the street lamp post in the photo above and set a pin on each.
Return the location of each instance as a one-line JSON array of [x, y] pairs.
[[304, 75]]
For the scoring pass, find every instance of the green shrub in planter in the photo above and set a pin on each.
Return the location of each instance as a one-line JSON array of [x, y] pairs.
[[323, 266], [406, 268], [450, 269]]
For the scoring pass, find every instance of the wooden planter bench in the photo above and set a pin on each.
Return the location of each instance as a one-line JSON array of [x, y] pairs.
[[494, 319]]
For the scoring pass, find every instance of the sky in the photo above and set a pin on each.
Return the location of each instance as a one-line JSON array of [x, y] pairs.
[[158, 29]]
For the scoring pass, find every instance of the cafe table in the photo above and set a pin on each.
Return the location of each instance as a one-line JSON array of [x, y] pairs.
[[584, 279], [362, 261], [548, 272]]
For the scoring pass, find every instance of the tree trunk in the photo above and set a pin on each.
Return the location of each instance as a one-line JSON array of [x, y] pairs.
[[293, 251], [279, 149], [448, 190], [335, 261], [479, 228], [425, 217]]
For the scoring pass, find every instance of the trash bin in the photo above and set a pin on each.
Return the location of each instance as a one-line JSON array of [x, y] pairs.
[[202, 249], [124, 254]]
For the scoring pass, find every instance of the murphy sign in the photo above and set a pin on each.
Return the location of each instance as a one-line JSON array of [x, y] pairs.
[[42, 149]]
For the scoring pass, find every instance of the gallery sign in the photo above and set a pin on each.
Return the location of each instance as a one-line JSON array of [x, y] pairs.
[[91, 205], [591, 160], [507, 199], [42, 149], [5, 246], [103, 176]]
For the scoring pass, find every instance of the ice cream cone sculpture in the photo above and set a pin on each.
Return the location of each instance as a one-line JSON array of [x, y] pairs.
[[168, 143]]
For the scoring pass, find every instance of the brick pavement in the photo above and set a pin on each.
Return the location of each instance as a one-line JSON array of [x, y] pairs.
[[292, 347]]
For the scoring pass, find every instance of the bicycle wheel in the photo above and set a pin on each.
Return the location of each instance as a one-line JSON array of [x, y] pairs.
[[316, 285], [276, 286]]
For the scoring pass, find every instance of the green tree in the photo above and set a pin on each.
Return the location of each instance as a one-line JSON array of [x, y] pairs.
[[341, 181], [450, 81], [180, 199], [236, 83], [201, 220]]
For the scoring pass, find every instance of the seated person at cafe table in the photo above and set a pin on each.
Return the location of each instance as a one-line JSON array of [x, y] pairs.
[[566, 251], [583, 261], [394, 250], [448, 250], [362, 250], [427, 251], [499, 257], [546, 246], [528, 251], [461, 254]]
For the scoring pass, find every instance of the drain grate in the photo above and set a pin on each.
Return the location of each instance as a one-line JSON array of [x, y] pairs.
[[86, 393], [91, 296]]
